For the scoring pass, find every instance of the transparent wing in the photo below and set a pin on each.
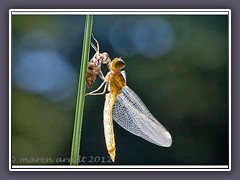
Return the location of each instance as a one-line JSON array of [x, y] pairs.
[[130, 112]]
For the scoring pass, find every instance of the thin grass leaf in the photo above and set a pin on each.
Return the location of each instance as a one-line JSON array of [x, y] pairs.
[[81, 91]]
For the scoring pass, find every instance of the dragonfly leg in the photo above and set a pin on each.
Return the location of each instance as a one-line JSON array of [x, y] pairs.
[[96, 47], [95, 91], [101, 75]]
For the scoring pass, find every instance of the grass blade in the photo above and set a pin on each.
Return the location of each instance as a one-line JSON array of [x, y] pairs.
[[81, 91]]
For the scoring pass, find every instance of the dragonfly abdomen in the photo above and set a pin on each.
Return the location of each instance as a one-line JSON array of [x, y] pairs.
[[108, 125]]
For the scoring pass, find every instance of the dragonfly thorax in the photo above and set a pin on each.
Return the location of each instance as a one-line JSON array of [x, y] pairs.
[[116, 82]]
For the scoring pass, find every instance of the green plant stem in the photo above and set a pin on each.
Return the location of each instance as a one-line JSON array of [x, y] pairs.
[[81, 91]]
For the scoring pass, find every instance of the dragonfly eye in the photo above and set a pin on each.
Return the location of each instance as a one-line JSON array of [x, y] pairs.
[[118, 63]]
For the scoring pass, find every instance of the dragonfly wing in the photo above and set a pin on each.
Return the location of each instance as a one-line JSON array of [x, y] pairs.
[[130, 112]]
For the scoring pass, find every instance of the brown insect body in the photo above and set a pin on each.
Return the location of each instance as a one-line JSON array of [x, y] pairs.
[[94, 65], [92, 72]]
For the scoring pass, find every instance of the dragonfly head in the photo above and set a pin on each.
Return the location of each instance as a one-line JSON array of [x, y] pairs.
[[117, 64]]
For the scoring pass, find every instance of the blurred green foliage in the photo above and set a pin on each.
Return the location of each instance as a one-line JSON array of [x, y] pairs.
[[186, 89]]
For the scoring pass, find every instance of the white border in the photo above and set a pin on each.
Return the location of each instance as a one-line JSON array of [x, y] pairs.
[[119, 168], [230, 85], [120, 12], [10, 87]]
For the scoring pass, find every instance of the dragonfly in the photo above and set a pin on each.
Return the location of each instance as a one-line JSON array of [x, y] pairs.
[[124, 106], [94, 65]]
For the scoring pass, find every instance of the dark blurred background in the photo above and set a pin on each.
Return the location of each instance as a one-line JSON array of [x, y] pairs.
[[178, 65]]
